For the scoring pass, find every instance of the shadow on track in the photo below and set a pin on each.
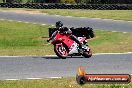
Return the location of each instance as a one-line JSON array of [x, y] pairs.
[[50, 57], [47, 57], [55, 57]]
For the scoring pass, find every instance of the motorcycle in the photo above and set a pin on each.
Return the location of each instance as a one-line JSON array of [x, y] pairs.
[[64, 46]]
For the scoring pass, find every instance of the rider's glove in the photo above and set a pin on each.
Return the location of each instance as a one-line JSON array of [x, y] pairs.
[[48, 40]]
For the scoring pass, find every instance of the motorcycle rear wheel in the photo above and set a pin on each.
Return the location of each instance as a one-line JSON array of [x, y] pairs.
[[87, 54], [61, 50]]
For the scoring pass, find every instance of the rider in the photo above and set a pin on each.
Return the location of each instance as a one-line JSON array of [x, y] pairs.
[[65, 30]]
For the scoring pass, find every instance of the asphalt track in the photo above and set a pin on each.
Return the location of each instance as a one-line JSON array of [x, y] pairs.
[[41, 67], [121, 26], [52, 66]]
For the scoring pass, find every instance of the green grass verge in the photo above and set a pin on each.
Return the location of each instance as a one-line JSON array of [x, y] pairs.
[[104, 14], [56, 83], [26, 39], [23, 39]]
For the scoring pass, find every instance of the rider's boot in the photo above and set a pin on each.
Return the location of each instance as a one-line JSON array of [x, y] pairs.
[[80, 49], [77, 41]]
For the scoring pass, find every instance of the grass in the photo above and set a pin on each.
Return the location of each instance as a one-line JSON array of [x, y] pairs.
[[107, 41], [104, 14], [21, 38], [56, 83], [27, 39]]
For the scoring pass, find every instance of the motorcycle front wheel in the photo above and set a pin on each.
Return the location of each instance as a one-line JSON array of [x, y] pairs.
[[61, 50]]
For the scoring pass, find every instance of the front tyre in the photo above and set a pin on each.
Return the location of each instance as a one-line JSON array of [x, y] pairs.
[[87, 53], [60, 50]]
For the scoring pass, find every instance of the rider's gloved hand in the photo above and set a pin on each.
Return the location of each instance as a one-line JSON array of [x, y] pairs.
[[48, 40]]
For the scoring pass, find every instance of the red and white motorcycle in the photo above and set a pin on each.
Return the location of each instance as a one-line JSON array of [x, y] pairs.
[[64, 46]]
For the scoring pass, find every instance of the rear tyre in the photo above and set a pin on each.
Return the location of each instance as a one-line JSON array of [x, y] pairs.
[[88, 53], [61, 50]]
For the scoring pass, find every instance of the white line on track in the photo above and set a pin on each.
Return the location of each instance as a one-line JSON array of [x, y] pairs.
[[43, 24], [12, 56], [26, 22], [111, 53], [54, 77], [34, 23], [124, 32], [11, 20], [12, 79], [34, 78], [98, 19], [105, 19], [103, 53], [114, 31], [93, 54], [19, 21], [2, 19], [68, 16], [57, 15], [83, 17]]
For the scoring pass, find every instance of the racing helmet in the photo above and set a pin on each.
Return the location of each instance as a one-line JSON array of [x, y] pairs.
[[59, 24]]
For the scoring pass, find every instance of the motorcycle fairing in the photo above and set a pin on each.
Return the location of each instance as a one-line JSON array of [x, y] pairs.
[[81, 39], [65, 38], [74, 48]]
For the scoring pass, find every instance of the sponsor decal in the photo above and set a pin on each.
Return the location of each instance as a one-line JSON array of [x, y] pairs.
[[83, 78]]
